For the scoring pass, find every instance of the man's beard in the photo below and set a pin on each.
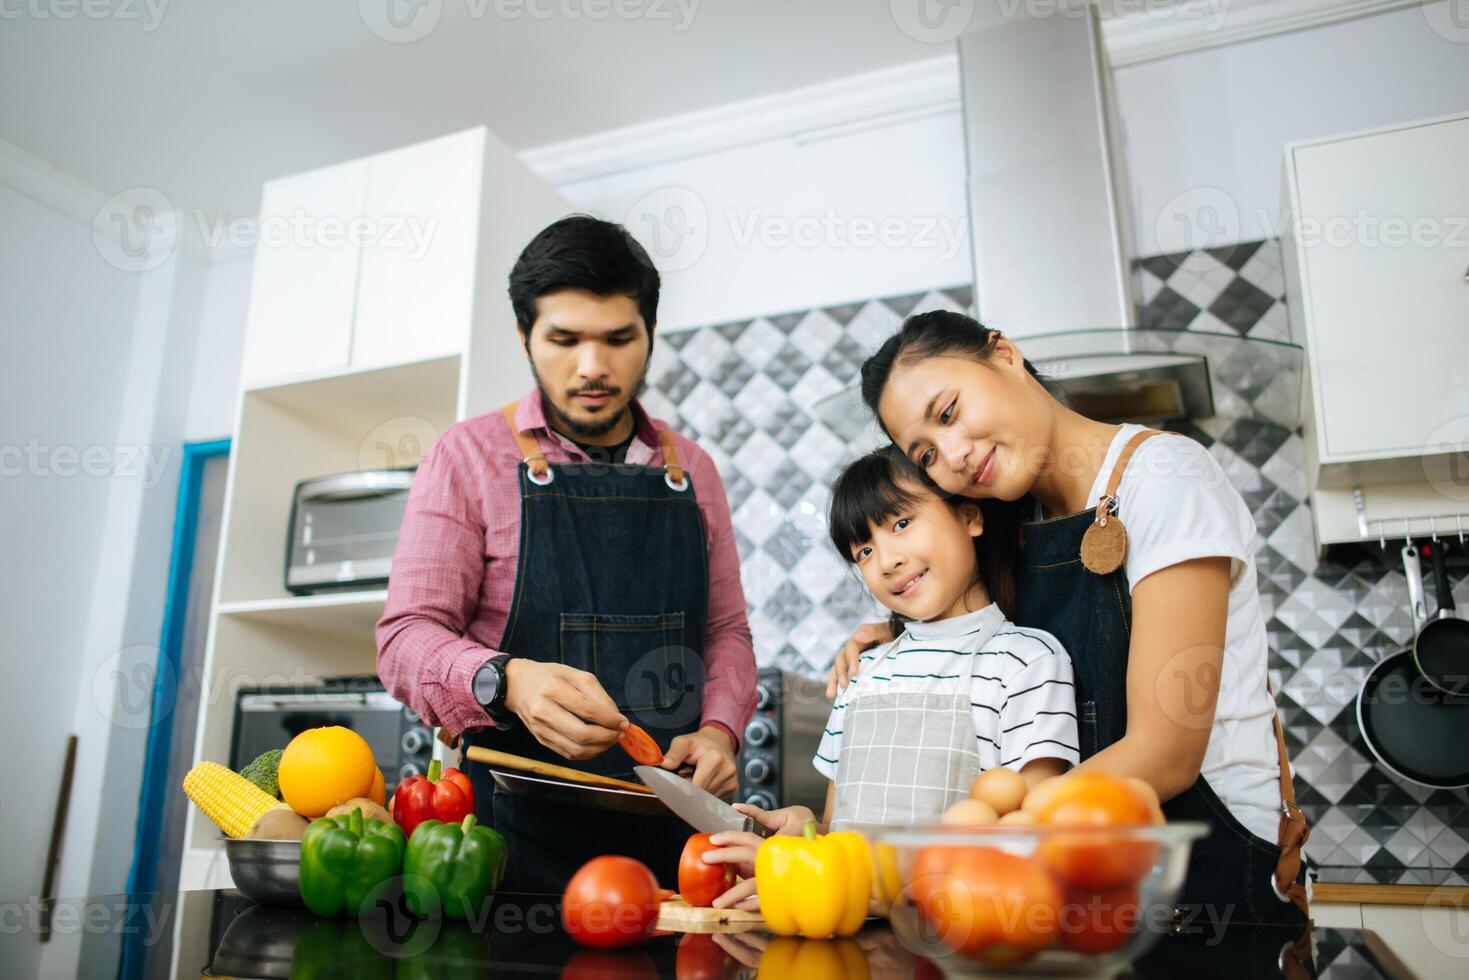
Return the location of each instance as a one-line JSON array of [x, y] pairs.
[[599, 428]]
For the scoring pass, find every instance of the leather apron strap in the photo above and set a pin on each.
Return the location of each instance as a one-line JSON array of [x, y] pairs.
[[1293, 831], [530, 450]]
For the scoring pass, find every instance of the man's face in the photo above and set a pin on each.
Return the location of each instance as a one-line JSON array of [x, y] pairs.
[[589, 354]]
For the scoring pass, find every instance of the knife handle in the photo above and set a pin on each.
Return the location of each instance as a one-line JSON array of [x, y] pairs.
[[753, 827]]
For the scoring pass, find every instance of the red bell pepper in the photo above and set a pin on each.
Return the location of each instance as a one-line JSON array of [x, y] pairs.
[[446, 796]]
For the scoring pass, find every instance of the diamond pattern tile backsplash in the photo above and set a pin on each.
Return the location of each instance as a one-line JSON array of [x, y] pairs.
[[745, 391]]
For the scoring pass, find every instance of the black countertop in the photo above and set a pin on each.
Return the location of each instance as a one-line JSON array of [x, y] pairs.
[[222, 933]]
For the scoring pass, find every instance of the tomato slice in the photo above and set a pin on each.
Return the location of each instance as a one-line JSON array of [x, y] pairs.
[[640, 745]]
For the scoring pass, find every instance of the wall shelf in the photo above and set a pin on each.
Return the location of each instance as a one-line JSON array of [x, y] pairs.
[[344, 613]]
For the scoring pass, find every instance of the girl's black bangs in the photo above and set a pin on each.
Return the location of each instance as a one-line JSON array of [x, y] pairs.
[[868, 492]]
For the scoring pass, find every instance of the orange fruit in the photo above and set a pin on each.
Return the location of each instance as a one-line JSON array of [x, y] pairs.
[[323, 767], [1092, 860]]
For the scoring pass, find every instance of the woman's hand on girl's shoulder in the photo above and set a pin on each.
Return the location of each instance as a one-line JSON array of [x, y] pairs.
[[845, 666]]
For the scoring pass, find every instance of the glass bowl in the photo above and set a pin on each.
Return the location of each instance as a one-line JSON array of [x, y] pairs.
[[1029, 901]]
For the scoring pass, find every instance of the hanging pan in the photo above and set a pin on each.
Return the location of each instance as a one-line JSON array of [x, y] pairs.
[[1413, 728], [1441, 651]]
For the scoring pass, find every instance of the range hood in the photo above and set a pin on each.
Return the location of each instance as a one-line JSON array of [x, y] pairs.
[[1051, 238]]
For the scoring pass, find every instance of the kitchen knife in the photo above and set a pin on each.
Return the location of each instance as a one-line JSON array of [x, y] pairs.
[[699, 808]]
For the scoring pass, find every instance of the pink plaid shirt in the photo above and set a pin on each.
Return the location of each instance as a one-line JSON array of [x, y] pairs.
[[454, 569]]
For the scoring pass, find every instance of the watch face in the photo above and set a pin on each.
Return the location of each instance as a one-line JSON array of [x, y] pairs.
[[486, 684]]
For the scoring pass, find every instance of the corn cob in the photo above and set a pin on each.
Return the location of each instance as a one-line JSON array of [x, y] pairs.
[[226, 797]]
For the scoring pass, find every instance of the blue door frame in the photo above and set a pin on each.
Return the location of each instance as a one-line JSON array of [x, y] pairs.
[[142, 876]]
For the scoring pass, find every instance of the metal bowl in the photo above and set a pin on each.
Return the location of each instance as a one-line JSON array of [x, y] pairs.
[[268, 871]]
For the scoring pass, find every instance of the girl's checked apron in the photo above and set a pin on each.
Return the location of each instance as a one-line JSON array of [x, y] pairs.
[[907, 755], [1091, 615], [612, 579]]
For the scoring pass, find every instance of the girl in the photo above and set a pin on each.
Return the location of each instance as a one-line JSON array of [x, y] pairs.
[[1141, 559], [960, 690]]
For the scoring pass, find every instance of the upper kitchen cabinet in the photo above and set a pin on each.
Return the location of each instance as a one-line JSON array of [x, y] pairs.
[[303, 287], [392, 259], [1376, 248]]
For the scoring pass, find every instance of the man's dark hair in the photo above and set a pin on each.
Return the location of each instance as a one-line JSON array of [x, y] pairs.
[[583, 252]]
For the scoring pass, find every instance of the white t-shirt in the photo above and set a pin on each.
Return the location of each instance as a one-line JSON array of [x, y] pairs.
[[1178, 505], [1022, 698]]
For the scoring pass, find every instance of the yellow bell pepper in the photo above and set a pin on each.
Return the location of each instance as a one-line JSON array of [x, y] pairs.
[[814, 885], [789, 958]]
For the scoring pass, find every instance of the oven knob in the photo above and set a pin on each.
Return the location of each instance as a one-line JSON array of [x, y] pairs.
[[761, 799], [757, 771], [410, 716], [759, 731], [408, 770], [415, 740], [763, 696]]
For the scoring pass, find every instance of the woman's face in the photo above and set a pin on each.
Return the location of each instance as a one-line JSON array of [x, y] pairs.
[[977, 429], [920, 562]]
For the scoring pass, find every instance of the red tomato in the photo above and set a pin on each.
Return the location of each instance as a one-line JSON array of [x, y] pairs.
[[1091, 861], [640, 745], [1099, 922], [611, 901], [699, 883], [700, 958], [984, 903]]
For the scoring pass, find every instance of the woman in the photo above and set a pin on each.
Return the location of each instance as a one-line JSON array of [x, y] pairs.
[[1138, 555]]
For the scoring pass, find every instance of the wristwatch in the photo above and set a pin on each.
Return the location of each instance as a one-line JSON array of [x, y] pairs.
[[489, 686]]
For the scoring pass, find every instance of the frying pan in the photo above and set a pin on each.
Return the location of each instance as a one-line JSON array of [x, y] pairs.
[[1441, 651], [1414, 729]]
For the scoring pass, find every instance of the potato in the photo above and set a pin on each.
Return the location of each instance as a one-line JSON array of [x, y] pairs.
[[1001, 788], [1018, 818], [278, 823], [970, 813], [370, 810]]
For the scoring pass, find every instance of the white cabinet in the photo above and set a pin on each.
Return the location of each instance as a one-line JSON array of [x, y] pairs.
[[1377, 279], [416, 288], [304, 282]]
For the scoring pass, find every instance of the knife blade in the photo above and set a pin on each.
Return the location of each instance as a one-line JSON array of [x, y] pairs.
[[698, 808]]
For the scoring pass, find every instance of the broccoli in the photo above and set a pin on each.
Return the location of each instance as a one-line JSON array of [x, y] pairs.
[[262, 771]]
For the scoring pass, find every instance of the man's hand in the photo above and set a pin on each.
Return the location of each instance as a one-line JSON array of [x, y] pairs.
[[710, 753], [844, 666], [564, 708]]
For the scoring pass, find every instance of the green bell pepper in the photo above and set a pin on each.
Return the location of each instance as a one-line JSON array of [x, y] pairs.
[[453, 867], [344, 858], [339, 951]]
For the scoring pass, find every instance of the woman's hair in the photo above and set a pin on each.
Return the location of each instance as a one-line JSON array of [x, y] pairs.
[[879, 486], [938, 333]]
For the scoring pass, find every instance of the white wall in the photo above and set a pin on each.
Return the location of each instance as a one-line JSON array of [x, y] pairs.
[[782, 225], [214, 377], [1205, 131]]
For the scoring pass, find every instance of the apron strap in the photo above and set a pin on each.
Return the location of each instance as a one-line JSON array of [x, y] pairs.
[[1293, 830], [1108, 503], [530, 450]]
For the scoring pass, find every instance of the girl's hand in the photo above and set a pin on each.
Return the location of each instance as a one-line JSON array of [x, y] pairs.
[[844, 667], [736, 847], [789, 820]]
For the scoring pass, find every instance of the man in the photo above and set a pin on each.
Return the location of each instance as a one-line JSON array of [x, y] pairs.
[[567, 566]]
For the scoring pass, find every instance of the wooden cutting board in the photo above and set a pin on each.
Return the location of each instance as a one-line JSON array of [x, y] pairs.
[[675, 915]]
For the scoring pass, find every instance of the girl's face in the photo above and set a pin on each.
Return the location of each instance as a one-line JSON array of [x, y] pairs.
[[920, 562], [976, 429]]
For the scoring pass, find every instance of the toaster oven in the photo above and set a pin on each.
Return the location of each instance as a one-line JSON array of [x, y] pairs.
[[343, 530]]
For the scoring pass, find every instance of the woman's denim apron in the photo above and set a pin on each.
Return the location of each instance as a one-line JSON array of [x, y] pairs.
[[613, 579]]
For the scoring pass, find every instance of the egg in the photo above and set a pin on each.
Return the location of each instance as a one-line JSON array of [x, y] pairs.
[[1018, 818], [1145, 789], [1001, 788], [970, 813], [1040, 794]]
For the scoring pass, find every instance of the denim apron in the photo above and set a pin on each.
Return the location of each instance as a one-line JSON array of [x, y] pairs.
[[1091, 614], [612, 579]]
